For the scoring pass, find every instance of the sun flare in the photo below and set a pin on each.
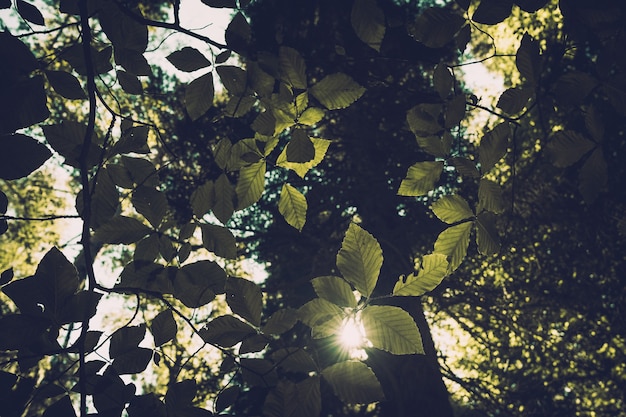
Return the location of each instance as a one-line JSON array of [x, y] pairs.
[[351, 333]]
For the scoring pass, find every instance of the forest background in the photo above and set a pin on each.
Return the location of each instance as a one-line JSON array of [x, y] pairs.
[[359, 208]]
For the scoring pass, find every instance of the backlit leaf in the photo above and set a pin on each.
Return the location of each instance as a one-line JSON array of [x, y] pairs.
[[311, 116], [443, 80], [300, 148], [490, 197], [513, 100], [244, 298], [528, 59], [567, 147], [219, 240], [452, 208], [121, 229], [391, 329], [334, 289], [199, 96], [230, 4], [360, 259], [62, 407], [572, 88], [368, 22], [337, 91], [132, 362], [20, 156], [125, 339], [487, 237], [293, 359], [233, 78], [323, 317], [454, 111], [423, 119], [433, 269], [238, 33], [129, 82], [227, 397], [163, 327], [436, 26], [292, 67], [202, 199], [281, 321], [354, 382], [465, 167], [65, 84], [453, 243], [150, 203], [293, 206], [226, 331], [420, 178], [250, 184], [188, 59], [493, 146], [224, 196], [196, 284], [320, 145]]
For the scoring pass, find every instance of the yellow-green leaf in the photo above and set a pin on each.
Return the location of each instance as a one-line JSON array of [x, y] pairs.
[[360, 259], [321, 146], [432, 271], [368, 22], [391, 329], [354, 382], [453, 243], [487, 237], [452, 208], [250, 184], [334, 289], [337, 91], [293, 206], [421, 178]]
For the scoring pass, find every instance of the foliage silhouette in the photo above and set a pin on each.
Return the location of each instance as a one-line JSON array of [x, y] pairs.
[[340, 145]]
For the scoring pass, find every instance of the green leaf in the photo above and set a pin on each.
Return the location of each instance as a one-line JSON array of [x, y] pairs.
[[104, 202], [293, 206], [320, 145], [226, 331], [453, 243], [337, 91], [258, 372], [493, 146], [292, 67], [253, 344], [487, 237], [132, 61], [354, 382], [360, 259], [121, 229], [490, 12], [196, 284], [567, 147], [593, 176], [66, 85], [289, 399], [368, 22], [150, 203], [202, 199], [67, 139], [29, 12], [391, 329], [420, 178], [323, 317], [443, 80], [244, 298], [219, 240], [125, 339], [490, 197], [62, 407], [433, 145], [423, 119], [224, 196], [20, 156], [455, 111], [163, 327], [134, 139], [188, 59], [300, 148], [250, 184], [132, 362], [294, 359], [452, 208], [465, 167], [46, 292], [432, 271], [129, 82], [528, 59], [124, 31], [514, 100], [334, 289], [435, 27], [199, 96], [280, 321], [311, 116], [142, 171], [233, 78]]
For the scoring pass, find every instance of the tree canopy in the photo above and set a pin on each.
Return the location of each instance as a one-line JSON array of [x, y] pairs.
[[429, 247]]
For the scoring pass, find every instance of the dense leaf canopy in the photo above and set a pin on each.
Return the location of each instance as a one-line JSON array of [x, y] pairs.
[[429, 246]]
